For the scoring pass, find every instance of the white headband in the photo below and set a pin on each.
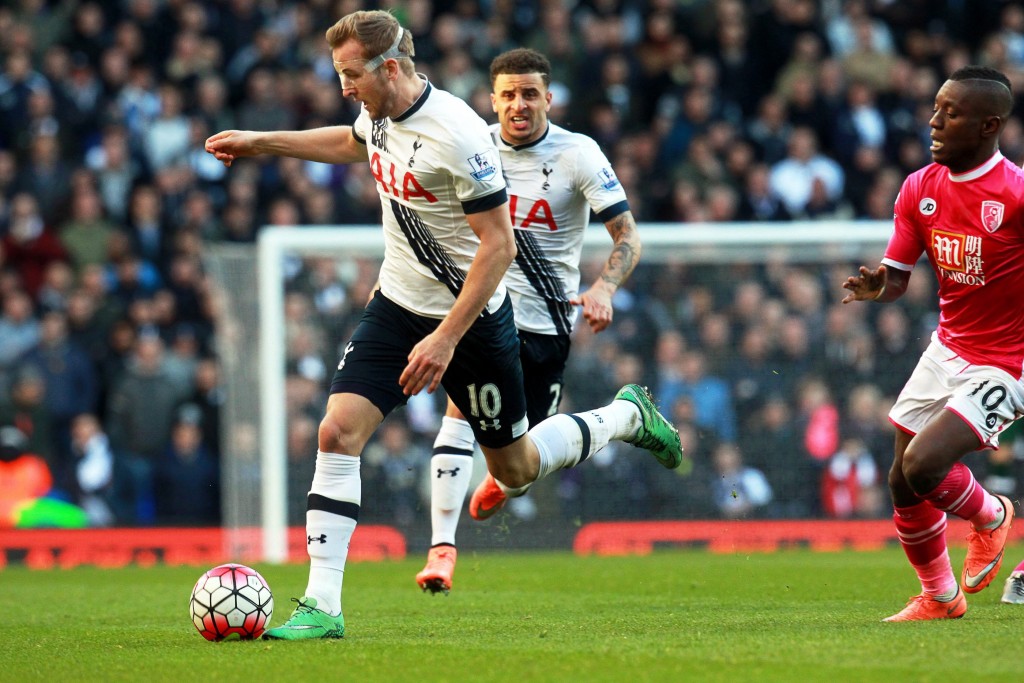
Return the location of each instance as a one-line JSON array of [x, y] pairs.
[[391, 53]]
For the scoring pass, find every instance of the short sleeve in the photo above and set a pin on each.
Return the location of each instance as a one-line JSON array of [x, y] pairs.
[[905, 245], [361, 126], [474, 163], [596, 179]]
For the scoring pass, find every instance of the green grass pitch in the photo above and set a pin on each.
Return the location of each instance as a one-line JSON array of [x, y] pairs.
[[684, 615]]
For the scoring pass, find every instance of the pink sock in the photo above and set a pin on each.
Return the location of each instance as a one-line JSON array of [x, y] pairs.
[[961, 495], [937, 576], [990, 513], [921, 529], [1019, 567]]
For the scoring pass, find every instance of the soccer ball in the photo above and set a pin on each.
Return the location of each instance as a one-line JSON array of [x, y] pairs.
[[231, 601]]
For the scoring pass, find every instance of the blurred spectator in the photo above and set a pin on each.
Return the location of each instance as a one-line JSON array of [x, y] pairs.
[[116, 169], [88, 326], [208, 397], [19, 331], [29, 245], [819, 418], [806, 56], [86, 233], [140, 413], [147, 226], [850, 485], [870, 59], [792, 178], [711, 395], [261, 108], [129, 277], [759, 202], [772, 444], [70, 385], [807, 106], [399, 462], [187, 481], [738, 63], [794, 358], [847, 351], [24, 408], [894, 349], [166, 138], [769, 129], [211, 103], [751, 374], [866, 419], [120, 342], [738, 490], [94, 470], [18, 82], [46, 175], [301, 448], [842, 29]]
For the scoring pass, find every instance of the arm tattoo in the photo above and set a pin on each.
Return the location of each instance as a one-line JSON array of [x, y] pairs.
[[626, 251]]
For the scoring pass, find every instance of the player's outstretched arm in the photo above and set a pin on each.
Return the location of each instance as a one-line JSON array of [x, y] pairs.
[[597, 301], [331, 145], [881, 284]]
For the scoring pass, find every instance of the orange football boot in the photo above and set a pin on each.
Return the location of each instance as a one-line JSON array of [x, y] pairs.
[[985, 552], [436, 576], [925, 607], [487, 499]]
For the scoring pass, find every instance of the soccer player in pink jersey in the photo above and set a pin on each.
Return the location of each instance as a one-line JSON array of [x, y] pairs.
[[965, 211]]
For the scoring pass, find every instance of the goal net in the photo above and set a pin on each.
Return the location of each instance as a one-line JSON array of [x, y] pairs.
[[286, 303]]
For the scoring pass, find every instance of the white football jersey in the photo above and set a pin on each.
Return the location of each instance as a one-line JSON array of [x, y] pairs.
[[553, 184], [433, 164]]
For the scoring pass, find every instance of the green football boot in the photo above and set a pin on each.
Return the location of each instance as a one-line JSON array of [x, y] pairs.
[[308, 622], [656, 434]]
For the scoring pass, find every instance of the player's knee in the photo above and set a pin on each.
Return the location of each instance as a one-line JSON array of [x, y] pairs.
[[919, 471], [334, 437], [510, 473]]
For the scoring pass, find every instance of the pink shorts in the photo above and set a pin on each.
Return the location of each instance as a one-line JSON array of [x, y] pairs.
[[987, 398]]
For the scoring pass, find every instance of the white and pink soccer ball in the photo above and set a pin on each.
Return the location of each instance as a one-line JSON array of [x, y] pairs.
[[231, 601]]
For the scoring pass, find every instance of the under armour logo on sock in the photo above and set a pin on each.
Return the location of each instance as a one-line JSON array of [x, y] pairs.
[[452, 472], [322, 538]]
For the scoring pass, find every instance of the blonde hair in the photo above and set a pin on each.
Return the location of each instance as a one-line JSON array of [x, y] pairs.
[[375, 30]]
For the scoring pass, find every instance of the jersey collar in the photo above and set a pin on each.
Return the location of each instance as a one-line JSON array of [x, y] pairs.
[[528, 144], [975, 173], [415, 106]]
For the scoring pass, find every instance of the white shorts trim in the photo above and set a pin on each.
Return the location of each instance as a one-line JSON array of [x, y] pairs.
[[987, 398]]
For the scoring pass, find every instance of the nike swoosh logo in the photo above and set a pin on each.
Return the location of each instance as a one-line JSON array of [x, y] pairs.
[[484, 511], [302, 627], [973, 581]]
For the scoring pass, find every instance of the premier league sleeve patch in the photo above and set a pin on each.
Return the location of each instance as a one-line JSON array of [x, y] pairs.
[[606, 177], [482, 166]]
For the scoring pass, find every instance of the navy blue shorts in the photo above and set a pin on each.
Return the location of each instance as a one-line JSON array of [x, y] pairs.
[[484, 378], [543, 357]]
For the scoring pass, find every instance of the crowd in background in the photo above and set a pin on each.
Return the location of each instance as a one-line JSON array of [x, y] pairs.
[[710, 110]]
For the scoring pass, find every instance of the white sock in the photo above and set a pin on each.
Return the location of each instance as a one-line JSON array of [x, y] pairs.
[[567, 440], [1001, 514], [332, 510], [450, 470]]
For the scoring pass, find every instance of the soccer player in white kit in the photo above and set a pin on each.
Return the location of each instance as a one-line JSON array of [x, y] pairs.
[[440, 316], [555, 179], [965, 212]]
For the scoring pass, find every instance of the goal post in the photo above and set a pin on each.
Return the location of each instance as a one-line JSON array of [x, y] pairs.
[[251, 343]]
